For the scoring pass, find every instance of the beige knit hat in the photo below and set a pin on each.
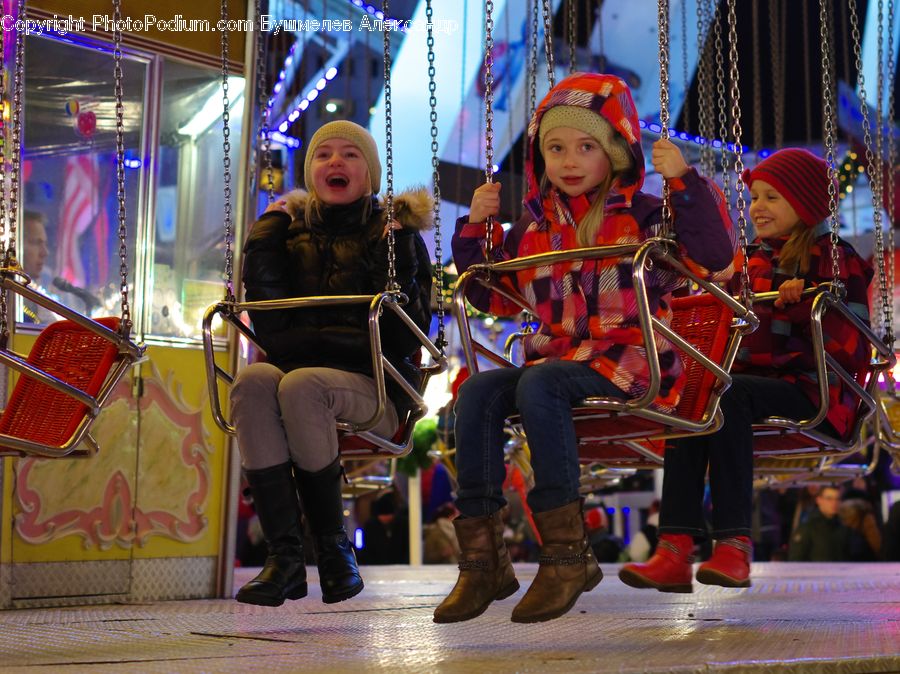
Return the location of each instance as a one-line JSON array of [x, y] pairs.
[[592, 124], [354, 133]]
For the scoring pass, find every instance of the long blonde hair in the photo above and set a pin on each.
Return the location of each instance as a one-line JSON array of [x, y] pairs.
[[796, 251], [587, 230]]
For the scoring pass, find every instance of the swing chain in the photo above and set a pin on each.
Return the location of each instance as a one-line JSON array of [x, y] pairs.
[[829, 141], [891, 78], [548, 42], [738, 149], [265, 105], [870, 158], [685, 77], [723, 109], [531, 76], [489, 113], [226, 163], [11, 259], [662, 25], [125, 324], [435, 179], [705, 90], [392, 285], [4, 327], [570, 27]]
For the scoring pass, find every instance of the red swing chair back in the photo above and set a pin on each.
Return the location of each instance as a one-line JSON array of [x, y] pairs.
[[73, 354], [705, 322]]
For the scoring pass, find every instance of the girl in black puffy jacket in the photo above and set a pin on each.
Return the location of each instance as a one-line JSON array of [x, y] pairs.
[[330, 240]]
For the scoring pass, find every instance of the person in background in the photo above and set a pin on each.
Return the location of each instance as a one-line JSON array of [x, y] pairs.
[[823, 537]]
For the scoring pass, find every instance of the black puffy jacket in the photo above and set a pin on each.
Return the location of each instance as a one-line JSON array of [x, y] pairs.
[[339, 255]]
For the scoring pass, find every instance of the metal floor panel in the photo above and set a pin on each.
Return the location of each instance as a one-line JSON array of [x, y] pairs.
[[797, 618]]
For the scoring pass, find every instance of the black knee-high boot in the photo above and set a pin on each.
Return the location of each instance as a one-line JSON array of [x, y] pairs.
[[321, 495], [284, 574]]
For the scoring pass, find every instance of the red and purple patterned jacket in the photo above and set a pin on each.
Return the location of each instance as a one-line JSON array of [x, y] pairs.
[[587, 309], [782, 344]]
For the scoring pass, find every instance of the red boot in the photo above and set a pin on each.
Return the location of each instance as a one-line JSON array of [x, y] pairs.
[[668, 570], [729, 565]]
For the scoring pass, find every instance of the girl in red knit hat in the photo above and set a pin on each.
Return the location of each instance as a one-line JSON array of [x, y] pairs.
[[772, 375], [585, 168]]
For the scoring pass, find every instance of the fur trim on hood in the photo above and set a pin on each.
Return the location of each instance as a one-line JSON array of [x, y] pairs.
[[413, 208]]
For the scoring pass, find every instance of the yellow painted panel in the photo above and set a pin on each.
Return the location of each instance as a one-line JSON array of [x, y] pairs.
[[169, 437], [156, 489]]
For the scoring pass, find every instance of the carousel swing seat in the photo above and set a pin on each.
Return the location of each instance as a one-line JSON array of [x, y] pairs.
[[788, 451], [356, 441], [64, 381], [705, 329]]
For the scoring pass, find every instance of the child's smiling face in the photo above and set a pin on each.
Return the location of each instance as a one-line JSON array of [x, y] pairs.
[[574, 161], [339, 172], [772, 214]]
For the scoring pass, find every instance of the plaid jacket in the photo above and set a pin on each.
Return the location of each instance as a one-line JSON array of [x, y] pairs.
[[588, 309], [782, 345]]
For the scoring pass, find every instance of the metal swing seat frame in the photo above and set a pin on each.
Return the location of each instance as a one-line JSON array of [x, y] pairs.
[[357, 440], [706, 329], [75, 364]]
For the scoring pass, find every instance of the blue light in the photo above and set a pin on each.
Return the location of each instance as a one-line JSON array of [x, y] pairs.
[[132, 163], [654, 127], [283, 127], [700, 140], [610, 511], [683, 135], [330, 73], [642, 124], [358, 541], [626, 510], [762, 154]]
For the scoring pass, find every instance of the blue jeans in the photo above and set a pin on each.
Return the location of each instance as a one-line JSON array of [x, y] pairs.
[[728, 453], [543, 395]]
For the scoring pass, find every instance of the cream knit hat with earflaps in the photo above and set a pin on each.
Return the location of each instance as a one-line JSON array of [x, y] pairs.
[[353, 133], [592, 124]]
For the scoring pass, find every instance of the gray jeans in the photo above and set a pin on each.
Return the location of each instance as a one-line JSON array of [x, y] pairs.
[[291, 417]]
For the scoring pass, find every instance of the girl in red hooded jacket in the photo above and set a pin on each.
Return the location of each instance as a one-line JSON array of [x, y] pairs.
[[585, 168]]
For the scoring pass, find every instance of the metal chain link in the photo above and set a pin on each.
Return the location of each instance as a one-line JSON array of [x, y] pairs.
[[879, 185], [777, 46], [685, 107], [531, 10], [867, 133], [807, 93], [265, 106], [662, 28], [547, 12], [489, 112], [392, 285], [723, 107], [738, 148], [16, 176], [571, 36], [125, 323], [829, 138], [705, 90], [226, 163], [757, 83], [892, 167], [4, 137], [435, 178]]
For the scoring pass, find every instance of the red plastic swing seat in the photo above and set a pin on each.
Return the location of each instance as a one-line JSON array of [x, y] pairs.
[[79, 357], [706, 323]]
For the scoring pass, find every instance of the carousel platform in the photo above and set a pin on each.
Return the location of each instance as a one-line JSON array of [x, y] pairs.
[[797, 618]]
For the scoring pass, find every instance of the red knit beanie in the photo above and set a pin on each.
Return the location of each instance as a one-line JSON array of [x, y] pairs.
[[800, 177]]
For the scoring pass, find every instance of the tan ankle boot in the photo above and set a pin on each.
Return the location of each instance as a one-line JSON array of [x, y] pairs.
[[485, 571], [567, 566]]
